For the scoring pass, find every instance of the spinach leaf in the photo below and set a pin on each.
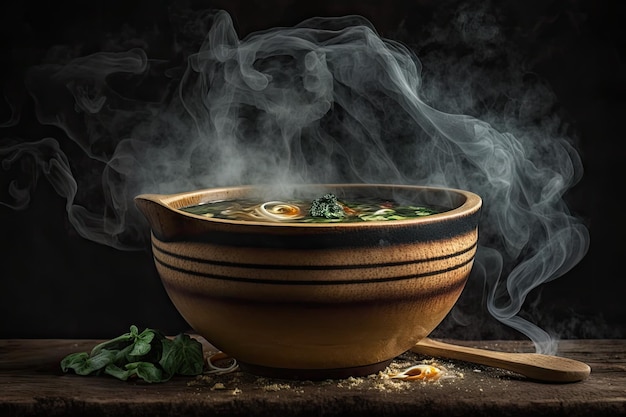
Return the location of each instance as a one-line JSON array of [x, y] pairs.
[[141, 344], [183, 355], [147, 371], [84, 364]]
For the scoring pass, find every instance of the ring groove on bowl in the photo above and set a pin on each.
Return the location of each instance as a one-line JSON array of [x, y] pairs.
[[452, 287], [159, 248], [332, 281]]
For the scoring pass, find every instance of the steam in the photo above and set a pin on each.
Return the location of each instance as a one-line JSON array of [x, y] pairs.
[[327, 100]]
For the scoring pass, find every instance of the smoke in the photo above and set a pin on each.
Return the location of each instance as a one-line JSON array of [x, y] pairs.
[[327, 100]]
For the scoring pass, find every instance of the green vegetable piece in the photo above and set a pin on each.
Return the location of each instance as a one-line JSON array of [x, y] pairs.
[[84, 364], [78, 362], [117, 372], [147, 371], [182, 356], [141, 344], [326, 206], [143, 370]]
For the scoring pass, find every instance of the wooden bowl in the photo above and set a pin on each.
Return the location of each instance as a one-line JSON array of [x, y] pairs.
[[314, 300]]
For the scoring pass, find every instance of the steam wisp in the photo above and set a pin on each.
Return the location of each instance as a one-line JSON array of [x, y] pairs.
[[325, 101]]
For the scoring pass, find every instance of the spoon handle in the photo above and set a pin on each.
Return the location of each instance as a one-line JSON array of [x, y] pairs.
[[532, 365]]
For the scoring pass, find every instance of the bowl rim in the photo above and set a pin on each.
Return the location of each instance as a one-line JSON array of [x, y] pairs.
[[472, 204]]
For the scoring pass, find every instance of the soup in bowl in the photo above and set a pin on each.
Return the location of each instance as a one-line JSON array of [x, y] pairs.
[[323, 281]]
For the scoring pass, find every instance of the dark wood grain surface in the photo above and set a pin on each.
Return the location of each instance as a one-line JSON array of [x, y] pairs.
[[32, 384]]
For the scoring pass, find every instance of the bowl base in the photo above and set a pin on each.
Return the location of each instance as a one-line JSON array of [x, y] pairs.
[[314, 374]]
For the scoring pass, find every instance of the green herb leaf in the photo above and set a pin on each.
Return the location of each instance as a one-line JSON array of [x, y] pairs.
[[117, 372], [141, 344], [84, 364], [76, 361], [147, 371], [143, 370], [182, 356]]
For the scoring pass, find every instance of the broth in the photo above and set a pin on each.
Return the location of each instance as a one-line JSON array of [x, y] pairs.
[[299, 211]]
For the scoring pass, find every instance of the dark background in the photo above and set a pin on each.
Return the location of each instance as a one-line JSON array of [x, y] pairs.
[[53, 283]]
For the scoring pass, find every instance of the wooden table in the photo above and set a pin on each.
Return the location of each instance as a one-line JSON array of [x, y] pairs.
[[32, 384]]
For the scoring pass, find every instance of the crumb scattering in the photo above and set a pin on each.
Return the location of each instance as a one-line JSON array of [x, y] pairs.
[[402, 374], [276, 387]]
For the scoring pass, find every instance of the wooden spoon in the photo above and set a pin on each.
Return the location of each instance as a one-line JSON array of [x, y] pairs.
[[532, 365]]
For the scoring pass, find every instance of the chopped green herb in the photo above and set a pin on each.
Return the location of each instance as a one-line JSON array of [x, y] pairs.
[[327, 206]]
